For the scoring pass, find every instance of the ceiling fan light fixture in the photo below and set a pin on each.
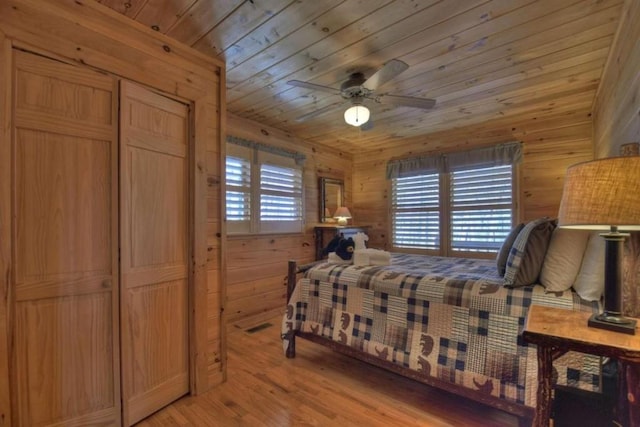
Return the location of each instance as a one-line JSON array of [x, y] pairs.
[[356, 115]]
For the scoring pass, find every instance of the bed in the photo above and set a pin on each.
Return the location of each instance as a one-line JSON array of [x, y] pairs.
[[446, 322]]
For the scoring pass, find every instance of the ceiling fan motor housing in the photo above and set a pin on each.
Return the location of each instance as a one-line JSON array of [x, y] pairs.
[[353, 87]]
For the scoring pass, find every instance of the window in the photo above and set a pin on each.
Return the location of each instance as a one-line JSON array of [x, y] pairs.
[[280, 198], [481, 208], [460, 204], [477, 218], [416, 212], [263, 193], [238, 173]]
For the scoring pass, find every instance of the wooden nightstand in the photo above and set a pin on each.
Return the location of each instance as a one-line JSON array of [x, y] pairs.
[[346, 231], [556, 331]]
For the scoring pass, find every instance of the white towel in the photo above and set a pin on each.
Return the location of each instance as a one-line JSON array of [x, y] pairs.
[[333, 258], [379, 257], [360, 257], [371, 257], [359, 239]]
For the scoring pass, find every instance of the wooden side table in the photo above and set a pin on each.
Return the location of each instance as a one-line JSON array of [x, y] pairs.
[[345, 230], [556, 331]]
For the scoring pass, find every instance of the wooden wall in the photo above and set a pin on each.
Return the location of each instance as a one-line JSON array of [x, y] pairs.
[[257, 264], [616, 118], [616, 121], [550, 146], [91, 35]]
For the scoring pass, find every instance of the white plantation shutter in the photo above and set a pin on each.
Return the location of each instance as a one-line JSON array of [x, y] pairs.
[[238, 174], [415, 210], [238, 192], [481, 208], [455, 204], [280, 198], [264, 191]]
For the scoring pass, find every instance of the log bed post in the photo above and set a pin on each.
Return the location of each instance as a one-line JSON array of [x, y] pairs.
[[291, 278], [291, 334]]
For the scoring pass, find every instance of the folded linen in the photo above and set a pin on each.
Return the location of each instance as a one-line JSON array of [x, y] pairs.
[[360, 238], [333, 258], [371, 257]]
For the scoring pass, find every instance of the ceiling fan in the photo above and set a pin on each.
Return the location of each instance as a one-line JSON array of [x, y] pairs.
[[357, 89]]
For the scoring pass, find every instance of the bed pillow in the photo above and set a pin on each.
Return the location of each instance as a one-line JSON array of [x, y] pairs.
[[503, 254], [589, 284], [527, 253], [564, 258]]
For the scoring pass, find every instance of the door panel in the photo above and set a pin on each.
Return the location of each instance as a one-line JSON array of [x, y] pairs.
[[157, 367], [57, 175], [154, 236], [66, 354], [156, 204], [64, 368]]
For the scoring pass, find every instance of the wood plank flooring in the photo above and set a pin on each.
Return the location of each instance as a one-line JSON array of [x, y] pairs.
[[317, 388]]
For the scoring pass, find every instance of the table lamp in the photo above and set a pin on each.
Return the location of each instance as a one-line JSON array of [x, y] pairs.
[[342, 214], [605, 195]]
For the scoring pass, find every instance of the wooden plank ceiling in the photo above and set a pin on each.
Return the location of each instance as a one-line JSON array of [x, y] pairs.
[[480, 59]]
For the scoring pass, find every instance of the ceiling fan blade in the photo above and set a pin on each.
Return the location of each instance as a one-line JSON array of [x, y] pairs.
[[312, 86], [406, 101], [386, 73], [318, 112]]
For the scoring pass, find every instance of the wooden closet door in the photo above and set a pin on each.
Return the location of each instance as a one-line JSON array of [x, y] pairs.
[[154, 237], [65, 368]]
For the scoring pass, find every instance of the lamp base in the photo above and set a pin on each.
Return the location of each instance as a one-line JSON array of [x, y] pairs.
[[613, 323]]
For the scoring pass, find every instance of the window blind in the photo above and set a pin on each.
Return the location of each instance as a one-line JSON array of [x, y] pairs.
[[280, 193], [264, 188], [238, 178], [416, 212], [481, 208]]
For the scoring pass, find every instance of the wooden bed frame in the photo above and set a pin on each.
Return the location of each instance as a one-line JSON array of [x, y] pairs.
[[524, 413]]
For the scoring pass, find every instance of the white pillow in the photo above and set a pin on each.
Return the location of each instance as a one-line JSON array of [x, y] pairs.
[[563, 259], [590, 281]]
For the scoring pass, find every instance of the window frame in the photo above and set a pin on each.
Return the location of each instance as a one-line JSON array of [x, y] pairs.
[[392, 232], [239, 227], [256, 226], [446, 191]]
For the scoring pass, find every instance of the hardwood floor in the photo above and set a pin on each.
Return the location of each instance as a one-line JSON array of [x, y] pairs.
[[317, 388]]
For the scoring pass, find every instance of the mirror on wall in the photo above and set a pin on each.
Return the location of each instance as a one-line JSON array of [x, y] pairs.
[[331, 197]]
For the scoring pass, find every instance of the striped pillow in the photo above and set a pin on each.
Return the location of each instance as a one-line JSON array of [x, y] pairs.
[[527, 253], [503, 254]]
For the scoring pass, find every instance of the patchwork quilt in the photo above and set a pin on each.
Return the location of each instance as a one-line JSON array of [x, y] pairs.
[[448, 318]]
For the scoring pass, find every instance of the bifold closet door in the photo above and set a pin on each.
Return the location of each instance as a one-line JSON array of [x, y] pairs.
[[154, 212], [65, 367]]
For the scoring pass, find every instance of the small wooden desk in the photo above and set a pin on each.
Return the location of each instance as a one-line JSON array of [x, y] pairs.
[[345, 230], [556, 331]]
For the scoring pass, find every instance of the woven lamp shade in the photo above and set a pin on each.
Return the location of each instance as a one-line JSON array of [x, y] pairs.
[[601, 194]]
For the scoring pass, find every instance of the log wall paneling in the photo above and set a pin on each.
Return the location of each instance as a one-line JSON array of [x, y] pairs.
[[257, 264], [87, 34], [616, 108], [616, 121], [6, 325], [215, 256], [550, 146]]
